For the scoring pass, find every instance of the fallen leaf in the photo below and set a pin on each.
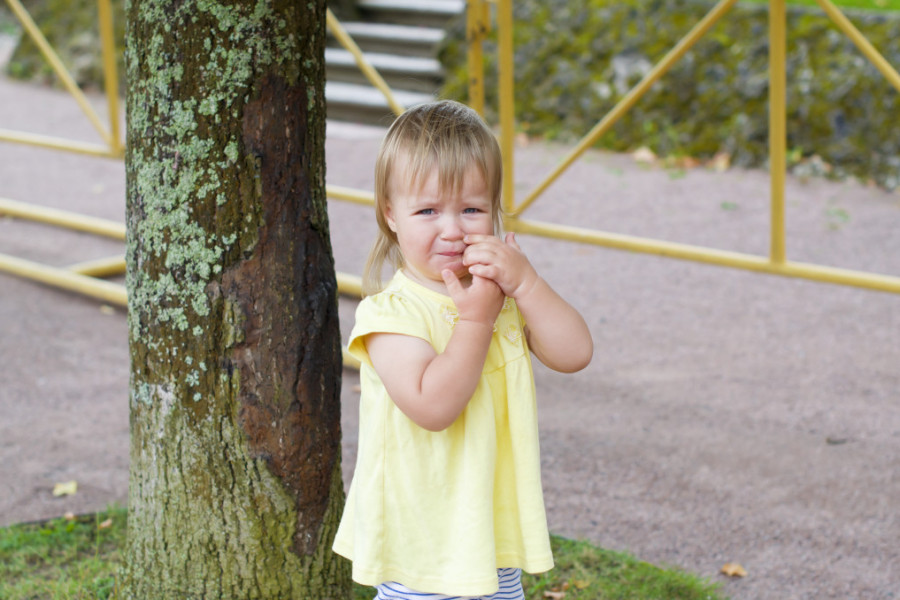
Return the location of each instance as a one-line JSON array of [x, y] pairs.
[[105, 524], [643, 155], [106, 309], [734, 570], [65, 489], [581, 583], [69, 516], [720, 162], [554, 595]]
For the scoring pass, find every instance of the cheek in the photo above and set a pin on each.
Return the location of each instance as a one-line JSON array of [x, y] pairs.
[[412, 240], [484, 225]]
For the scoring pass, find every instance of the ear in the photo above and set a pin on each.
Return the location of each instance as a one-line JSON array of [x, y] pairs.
[[389, 218]]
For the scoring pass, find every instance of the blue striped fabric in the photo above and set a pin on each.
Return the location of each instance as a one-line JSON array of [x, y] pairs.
[[510, 589]]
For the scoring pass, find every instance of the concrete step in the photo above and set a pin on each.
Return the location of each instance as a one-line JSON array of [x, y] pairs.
[[408, 73], [430, 13], [399, 38], [407, 40], [365, 104]]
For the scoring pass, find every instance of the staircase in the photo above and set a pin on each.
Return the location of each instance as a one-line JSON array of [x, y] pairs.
[[399, 38]]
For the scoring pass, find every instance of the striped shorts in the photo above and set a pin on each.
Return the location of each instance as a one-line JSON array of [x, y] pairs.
[[510, 589]]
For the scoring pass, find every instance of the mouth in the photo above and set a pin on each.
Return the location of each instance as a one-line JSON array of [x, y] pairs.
[[453, 251]]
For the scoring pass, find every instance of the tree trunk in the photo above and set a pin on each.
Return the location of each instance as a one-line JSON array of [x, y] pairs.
[[235, 488]]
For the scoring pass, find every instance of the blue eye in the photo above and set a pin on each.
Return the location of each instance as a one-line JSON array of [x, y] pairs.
[[426, 211], [471, 211]]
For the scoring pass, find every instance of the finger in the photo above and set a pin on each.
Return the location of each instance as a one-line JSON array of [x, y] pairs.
[[478, 238], [452, 282], [483, 271], [484, 284], [480, 253], [511, 240]]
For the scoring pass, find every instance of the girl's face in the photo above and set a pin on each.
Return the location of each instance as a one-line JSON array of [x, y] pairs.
[[431, 224]]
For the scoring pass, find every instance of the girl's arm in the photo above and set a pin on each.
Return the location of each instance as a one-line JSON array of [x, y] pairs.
[[433, 389], [556, 332]]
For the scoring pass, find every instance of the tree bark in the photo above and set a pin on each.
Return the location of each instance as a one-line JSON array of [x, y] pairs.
[[235, 486]]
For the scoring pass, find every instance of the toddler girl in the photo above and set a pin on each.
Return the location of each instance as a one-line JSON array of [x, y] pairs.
[[446, 497]]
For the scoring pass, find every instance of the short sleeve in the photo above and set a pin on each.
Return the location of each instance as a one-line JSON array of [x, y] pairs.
[[386, 312]]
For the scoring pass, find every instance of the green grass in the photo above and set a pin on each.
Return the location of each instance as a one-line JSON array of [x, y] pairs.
[[586, 572], [62, 559], [79, 560]]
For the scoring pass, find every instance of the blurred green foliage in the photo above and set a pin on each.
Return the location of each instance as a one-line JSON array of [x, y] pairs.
[[71, 27], [575, 59]]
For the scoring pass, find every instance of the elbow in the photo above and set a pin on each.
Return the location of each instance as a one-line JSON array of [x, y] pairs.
[[434, 423], [574, 367], [434, 426], [576, 359], [433, 417]]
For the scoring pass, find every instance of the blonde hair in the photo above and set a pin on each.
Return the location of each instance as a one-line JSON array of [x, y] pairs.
[[447, 136]]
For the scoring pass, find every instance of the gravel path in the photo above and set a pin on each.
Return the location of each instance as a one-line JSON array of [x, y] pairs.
[[727, 416]]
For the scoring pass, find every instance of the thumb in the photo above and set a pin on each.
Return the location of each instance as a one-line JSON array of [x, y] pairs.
[[511, 240]]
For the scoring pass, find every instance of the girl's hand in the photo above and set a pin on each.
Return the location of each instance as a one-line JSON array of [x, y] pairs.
[[556, 332], [480, 302], [502, 262]]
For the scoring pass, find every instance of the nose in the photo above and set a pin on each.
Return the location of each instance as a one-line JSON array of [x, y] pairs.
[[451, 228]]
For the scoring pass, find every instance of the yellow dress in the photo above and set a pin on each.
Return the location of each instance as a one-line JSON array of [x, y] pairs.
[[442, 511]]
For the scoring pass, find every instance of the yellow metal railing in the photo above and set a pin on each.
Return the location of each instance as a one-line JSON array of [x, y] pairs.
[[112, 146]]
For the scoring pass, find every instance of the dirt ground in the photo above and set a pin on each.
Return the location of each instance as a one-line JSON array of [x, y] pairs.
[[726, 417]]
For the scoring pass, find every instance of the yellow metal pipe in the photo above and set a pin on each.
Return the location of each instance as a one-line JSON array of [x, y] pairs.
[[56, 64], [46, 141], [350, 195], [62, 218], [506, 76], [861, 42], [371, 74], [110, 75], [476, 30], [349, 285], [748, 262], [629, 99], [62, 278], [102, 267], [777, 125]]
